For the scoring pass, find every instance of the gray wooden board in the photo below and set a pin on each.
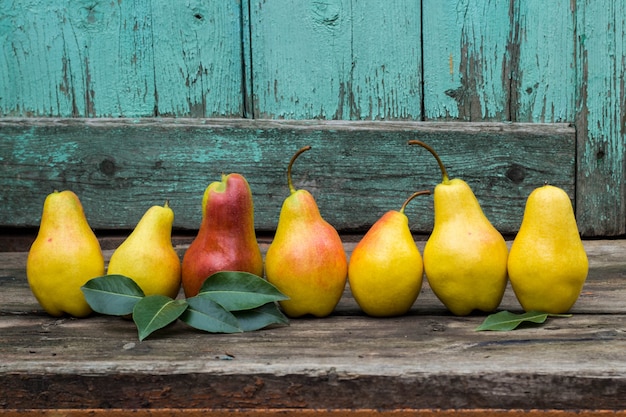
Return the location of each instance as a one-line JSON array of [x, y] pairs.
[[356, 170], [426, 359]]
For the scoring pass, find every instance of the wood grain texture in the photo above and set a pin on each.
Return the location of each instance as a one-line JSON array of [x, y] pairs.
[[601, 124], [356, 170], [450, 60], [426, 359], [307, 412], [129, 59], [465, 48], [542, 61], [499, 60], [337, 59]]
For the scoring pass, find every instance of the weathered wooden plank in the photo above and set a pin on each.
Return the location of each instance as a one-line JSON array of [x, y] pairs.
[[198, 58], [601, 179], [324, 60], [386, 77], [102, 58], [427, 359], [246, 60], [300, 58], [65, 368], [542, 61], [499, 61], [307, 412], [356, 170], [465, 54]]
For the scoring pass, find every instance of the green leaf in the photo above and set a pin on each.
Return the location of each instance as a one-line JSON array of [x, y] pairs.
[[205, 314], [237, 291], [505, 320], [155, 312], [114, 295], [260, 317]]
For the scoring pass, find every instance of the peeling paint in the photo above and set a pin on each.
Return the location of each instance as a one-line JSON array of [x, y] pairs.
[[522, 61], [328, 61], [89, 58], [601, 190]]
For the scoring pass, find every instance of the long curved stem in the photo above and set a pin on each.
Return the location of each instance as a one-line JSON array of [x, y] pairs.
[[444, 172], [292, 189], [411, 197]]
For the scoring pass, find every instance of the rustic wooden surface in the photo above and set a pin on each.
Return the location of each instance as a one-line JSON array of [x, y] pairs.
[[325, 60], [600, 121], [560, 61], [84, 58], [356, 170], [427, 359], [507, 60]]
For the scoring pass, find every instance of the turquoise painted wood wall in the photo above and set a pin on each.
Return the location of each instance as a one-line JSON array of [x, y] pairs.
[[478, 61]]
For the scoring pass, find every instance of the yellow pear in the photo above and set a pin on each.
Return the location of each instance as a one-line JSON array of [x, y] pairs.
[[306, 260], [385, 270], [547, 262], [147, 255], [465, 257], [64, 256]]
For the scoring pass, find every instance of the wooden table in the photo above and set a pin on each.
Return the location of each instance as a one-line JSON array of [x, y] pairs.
[[427, 362]]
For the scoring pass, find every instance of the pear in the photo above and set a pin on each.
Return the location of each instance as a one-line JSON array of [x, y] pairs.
[[63, 257], [226, 240], [547, 263], [465, 257], [385, 270], [147, 255], [306, 260]]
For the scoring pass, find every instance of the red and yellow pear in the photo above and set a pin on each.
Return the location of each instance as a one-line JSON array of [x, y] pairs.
[[226, 240], [306, 260]]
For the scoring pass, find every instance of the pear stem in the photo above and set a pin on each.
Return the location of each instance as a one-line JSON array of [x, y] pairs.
[[292, 189], [411, 197], [444, 173]]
